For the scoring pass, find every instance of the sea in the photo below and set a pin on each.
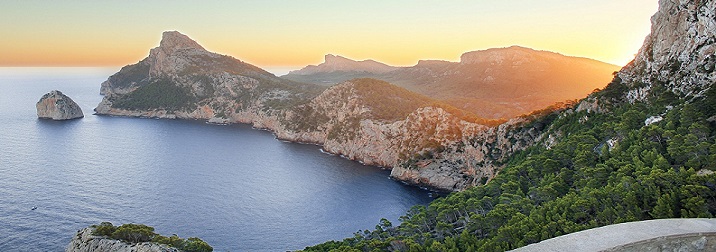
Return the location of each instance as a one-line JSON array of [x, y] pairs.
[[235, 187]]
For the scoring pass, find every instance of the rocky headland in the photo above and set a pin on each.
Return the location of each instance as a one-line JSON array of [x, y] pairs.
[[426, 142], [57, 106]]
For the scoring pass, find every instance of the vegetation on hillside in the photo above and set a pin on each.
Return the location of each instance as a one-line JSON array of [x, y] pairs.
[[160, 94], [136, 233], [136, 73], [607, 168]]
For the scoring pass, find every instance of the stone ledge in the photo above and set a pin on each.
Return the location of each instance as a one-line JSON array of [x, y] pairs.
[[651, 235]]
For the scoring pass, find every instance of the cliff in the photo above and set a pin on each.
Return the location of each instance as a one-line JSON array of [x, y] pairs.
[[57, 106], [85, 241], [678, 55]]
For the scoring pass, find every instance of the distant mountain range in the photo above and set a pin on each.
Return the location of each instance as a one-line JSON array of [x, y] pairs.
[[494, 83], [336, 63]]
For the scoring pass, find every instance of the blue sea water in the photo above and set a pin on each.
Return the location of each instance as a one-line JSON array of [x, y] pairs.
[[235, 187]]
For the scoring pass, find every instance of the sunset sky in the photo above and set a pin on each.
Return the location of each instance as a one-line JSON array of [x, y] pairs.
[[291, 34]]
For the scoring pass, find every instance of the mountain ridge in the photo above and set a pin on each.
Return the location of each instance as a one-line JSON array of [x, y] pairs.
[[493, 83]]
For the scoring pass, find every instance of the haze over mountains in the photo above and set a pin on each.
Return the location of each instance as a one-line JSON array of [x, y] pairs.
[[493, 83]]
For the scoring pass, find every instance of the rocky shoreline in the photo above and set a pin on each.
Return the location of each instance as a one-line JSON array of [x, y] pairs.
[[366, 120]]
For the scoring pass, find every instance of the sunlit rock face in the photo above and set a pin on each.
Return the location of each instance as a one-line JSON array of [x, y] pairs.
[[679, 54], [57, 106]]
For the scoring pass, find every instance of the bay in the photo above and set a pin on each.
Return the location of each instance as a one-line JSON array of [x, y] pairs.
[[235, 187]]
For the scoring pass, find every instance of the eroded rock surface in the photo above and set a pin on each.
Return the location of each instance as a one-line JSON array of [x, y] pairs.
[[57, 106], [85, 241]]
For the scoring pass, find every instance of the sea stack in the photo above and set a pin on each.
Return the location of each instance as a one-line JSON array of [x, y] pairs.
[[57, 106]]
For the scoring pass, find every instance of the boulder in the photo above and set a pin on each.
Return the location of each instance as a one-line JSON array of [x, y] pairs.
[[57, 106]]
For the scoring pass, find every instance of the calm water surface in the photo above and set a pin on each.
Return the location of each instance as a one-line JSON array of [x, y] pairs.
[[235, 187]]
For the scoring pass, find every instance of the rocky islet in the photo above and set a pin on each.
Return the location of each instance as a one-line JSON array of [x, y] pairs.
[[57, 106]]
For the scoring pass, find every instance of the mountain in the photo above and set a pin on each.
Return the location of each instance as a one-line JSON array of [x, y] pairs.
[[336, 69], [180, 79], [642, 148], [493, 83], [337, 63]]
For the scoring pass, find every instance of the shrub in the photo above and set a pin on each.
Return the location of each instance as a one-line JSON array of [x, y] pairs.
[[134, 233], [104, 229], [161, 94], [194, 244]]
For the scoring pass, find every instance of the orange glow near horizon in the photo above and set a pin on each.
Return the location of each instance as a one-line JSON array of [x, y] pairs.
[[278, 34]]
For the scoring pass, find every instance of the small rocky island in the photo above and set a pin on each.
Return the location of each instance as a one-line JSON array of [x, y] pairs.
[[131, 238], [57, 106]]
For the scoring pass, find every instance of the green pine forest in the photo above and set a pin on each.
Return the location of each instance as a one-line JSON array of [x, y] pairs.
[[663, 170]]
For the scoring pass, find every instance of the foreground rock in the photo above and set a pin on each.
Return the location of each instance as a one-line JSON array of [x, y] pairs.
[[84, 241], [57, 106]]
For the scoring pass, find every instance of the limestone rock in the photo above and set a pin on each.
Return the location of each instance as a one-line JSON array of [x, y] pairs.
[[84, 241], [57, 106], [679, 53]]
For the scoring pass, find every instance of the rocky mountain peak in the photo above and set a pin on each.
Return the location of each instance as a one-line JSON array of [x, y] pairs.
[[679, 53], [330, 58], [337, 63], [174, 40], [174, 52]]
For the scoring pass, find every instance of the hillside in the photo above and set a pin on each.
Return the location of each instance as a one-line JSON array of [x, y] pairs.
[[643, 148], [493, 83]]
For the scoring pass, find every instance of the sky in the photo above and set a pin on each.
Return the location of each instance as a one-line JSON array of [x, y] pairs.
[[291, 34]]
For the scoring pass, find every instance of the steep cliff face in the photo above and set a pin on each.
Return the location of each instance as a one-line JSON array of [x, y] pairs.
[[376, 123], [678, 55], [476, 158], [57, 106], [84, 241]]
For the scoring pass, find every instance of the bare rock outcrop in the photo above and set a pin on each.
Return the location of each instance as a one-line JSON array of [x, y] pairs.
[[57, 106], [337, 63], [679, 54], [85, 241]]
